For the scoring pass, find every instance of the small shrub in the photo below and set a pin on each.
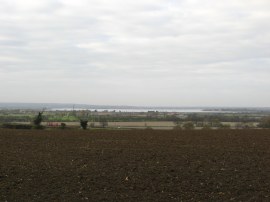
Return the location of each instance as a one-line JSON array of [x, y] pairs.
[[188, 126], [63, 125], [84, 124], [206, 127], [264, 123], [224, 126]]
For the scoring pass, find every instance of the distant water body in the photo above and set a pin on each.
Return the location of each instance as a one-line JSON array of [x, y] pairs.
[[101, 108], [80, 107], [185, 110]]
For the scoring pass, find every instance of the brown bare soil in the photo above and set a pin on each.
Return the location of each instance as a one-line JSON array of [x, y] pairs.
[[134, 165]]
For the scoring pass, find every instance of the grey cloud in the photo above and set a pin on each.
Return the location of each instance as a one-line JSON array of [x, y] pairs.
[[166, 52]]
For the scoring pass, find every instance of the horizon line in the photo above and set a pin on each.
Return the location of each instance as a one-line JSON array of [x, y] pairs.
[[134, 106]]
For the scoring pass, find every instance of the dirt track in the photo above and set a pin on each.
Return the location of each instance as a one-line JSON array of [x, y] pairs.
[[135, 165]]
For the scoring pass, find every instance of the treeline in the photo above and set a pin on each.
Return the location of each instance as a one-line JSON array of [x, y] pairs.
[[221, 118], [189, 121], [118, 118], [10, 118]]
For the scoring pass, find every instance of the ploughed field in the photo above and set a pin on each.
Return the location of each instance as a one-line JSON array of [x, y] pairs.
[[134, 165]]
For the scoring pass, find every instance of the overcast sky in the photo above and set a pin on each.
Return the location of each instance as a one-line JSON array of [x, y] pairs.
[[143, 52]]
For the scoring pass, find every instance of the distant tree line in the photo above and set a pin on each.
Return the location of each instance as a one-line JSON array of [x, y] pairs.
[[8, 118], [132, 118]]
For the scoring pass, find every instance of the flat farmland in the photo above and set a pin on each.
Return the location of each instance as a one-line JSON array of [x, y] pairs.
[[132, 124], [134, 165], [129, 124]]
